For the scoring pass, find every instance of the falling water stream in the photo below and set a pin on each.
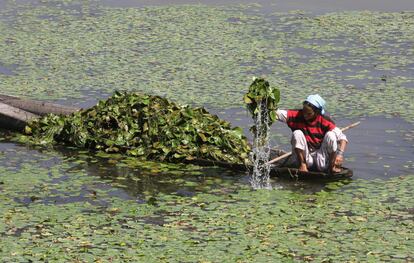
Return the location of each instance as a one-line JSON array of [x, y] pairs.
[[260, 178]]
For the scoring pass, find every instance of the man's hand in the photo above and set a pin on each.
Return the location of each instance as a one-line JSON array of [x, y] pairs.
[[338, 157], [337, 164]]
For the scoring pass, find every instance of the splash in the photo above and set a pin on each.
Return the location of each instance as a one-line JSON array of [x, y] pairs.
[[260, 176]]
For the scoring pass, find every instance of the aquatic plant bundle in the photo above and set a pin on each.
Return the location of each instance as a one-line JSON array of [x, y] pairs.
[[261, 101], [146, 126]]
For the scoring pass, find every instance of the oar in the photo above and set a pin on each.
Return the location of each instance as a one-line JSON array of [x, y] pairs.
[[283, 156]]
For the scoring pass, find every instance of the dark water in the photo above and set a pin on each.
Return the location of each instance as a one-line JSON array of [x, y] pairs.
[[6, 70], [379, 147]]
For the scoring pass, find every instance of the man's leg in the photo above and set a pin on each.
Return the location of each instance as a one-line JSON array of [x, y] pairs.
[[326, 154], [300, 148]]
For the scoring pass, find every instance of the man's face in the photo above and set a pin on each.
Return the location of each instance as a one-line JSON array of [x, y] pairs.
[[308, 113]]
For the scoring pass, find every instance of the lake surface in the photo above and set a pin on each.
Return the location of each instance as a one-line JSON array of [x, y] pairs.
[[62, 204]]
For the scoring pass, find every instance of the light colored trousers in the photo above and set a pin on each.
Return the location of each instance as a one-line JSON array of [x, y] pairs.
[[319, 159]]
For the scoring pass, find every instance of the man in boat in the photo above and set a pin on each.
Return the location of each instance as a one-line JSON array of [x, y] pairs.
[[317, 144]]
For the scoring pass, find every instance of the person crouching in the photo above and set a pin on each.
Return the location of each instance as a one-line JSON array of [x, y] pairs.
[[317, 144]]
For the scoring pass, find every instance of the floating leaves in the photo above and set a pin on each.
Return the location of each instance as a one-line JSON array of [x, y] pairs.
[[227, 223], [206, 55]]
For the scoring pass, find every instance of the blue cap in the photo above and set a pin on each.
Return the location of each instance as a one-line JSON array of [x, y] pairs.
[[317, 101]]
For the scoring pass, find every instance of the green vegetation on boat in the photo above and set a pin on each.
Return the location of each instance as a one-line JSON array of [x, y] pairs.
[[150, 127]]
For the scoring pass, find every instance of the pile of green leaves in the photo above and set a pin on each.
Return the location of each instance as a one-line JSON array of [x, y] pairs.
[[145, 126], [263, 98]]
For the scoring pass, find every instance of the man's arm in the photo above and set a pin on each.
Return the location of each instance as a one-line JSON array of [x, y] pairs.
[[338, 157], [342, 146], [281, 115]]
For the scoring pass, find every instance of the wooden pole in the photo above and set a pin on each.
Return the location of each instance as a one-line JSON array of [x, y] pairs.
[[37, 107], [283, 156]]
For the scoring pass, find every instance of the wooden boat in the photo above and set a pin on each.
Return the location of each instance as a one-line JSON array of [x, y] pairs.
[[294, 173], [283, 169], [12, 118], [16, 112], [40, 108], [286, 168]]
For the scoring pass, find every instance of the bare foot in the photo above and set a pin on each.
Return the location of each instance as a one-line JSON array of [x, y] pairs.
[[303, 167], [336, 169]]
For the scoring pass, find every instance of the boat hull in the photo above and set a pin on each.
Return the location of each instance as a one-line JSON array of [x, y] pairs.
[[294, 173]]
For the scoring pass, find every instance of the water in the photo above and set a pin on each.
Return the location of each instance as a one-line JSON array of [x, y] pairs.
[[6, 70], [261, 150]]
